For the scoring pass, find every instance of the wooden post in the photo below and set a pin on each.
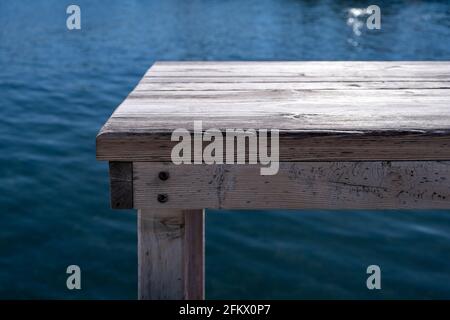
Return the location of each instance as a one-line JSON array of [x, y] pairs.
[[171, 254]]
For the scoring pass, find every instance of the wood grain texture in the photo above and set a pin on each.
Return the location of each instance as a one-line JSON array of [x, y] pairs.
[[170, 254], [194, 255], [325, 111], [298, 185], [121, 184]]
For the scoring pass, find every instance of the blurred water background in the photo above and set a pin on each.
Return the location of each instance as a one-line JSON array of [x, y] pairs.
[[57, 87]]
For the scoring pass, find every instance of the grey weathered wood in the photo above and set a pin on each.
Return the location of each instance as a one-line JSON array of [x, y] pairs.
[[298, 185], [369, 70], [245, 84], [325, 111], [339, 122], [301, 146], [194, 255], [121, 185], [170, 254]]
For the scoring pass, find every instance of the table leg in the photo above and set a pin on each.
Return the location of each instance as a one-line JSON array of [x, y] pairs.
[[171, 254]]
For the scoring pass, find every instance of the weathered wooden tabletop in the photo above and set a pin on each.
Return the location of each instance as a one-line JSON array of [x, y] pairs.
[[353, 135], [325, 111]]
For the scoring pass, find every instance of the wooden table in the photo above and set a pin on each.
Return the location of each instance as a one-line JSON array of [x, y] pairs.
[[352, 135]]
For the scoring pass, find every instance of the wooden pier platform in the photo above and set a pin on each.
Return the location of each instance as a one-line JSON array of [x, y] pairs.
[[352, 135]]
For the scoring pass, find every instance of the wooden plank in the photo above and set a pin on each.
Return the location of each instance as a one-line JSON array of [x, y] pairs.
[[362, 69], [170, 254], [140, 100], [298, 185], [121, 184], [401, 82], [353, 110], [299, 146], [201, 85]]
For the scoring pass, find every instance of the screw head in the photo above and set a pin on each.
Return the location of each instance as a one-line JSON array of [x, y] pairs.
[[162, 198], [163, 175]]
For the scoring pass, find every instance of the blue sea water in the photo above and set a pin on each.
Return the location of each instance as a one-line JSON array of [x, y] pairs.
[[57, 87]]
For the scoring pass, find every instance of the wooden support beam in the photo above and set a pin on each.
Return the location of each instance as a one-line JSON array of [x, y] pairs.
[[121, 184], [298, 185], [171, 254]]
